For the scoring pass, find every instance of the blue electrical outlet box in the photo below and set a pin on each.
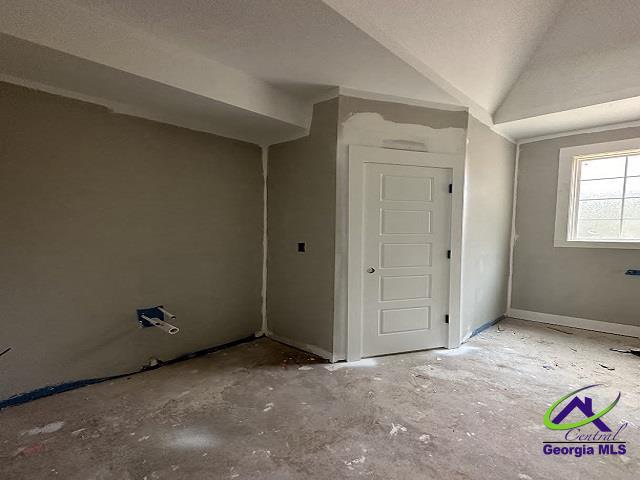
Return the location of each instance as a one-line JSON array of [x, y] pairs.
[[152, 312], [632, 272]]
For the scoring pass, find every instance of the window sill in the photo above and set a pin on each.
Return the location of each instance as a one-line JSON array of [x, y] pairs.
[[622, 245]]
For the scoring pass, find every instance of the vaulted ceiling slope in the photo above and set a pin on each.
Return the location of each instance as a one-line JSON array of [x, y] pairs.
[[251, 69], [535, 67], [477, 48], [587, 63]]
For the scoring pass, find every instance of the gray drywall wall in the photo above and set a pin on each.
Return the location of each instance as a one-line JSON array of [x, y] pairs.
[[488, 212], [576, 282], [301, 208], [386, 125], [101, 214]]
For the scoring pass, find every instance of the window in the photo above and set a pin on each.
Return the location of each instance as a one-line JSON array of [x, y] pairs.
[[598, 202]]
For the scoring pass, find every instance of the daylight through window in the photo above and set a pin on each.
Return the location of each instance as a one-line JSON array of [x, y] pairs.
[[606, 198]]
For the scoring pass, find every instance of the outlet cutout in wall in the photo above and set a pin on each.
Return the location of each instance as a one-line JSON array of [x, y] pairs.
[[152, 312], [302, 247]]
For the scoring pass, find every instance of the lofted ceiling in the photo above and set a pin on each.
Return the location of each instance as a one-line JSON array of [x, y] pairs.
[[252, 69], [588, 57], [478, 47], [300, 46]]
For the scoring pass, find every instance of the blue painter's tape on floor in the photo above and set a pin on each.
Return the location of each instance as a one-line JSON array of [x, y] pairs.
[[65, 387], [484, 326], [50, 390]]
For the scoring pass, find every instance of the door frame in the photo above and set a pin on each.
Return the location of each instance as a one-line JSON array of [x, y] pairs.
[[358, 157]]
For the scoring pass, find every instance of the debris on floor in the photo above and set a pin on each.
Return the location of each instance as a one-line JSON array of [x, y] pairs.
[[560, 330], [396, 428], [48, 428], [31, 449], [606, 366], [632, 351], [316, 423]]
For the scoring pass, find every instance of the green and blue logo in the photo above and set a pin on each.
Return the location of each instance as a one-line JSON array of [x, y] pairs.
[[579, 441]]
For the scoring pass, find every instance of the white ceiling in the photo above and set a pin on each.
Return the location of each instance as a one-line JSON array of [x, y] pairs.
[[251, 69], [479, 47], [122, 92], [589, 27], [589, 57], [301, 46]]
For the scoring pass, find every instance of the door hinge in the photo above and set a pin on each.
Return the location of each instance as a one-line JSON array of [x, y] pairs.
[[451, 188], [448, 253], [446, 318]]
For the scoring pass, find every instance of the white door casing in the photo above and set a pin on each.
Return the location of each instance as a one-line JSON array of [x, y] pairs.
[[402, 222], [405, 284]]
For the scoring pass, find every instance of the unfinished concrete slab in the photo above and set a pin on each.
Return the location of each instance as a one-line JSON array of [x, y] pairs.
[[264, 410]]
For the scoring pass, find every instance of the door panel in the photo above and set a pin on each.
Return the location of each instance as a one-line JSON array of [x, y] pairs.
[[406, 225]]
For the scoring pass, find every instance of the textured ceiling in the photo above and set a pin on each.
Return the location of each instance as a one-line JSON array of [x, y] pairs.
[[302, 46], [479, 47], [531, 66]]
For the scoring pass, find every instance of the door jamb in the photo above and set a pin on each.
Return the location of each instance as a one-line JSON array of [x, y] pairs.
[[358, 156]]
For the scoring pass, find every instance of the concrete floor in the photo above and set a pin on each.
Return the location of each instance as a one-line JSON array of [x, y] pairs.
[[263, 410]]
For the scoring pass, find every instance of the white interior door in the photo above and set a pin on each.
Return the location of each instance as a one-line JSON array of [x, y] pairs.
[[405, 269]]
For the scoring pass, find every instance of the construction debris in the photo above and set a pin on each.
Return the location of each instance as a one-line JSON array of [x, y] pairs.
[[632, 351], [560, 330]]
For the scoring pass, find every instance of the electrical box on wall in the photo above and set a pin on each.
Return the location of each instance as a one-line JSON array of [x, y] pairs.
[[154, 317]]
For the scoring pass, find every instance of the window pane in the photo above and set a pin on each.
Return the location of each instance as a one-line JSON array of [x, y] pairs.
[[600, 209], [633, 187], [632, 208], [631, 229], [598, 229], [611, 188], [602, 168], [634, 165]]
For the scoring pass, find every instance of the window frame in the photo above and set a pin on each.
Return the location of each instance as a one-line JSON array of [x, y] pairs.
[[566, 201]]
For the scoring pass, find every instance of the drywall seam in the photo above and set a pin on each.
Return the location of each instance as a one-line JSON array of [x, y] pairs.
[[329, 94], [340, 271], [407, 57], [352, 92], [513, 226], [604, 128], [371, 129], [265, 172], [463, 235], [575, 322], [306, 347]]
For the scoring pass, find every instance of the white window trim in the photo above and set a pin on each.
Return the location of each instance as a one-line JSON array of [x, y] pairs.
[[565, 202]]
